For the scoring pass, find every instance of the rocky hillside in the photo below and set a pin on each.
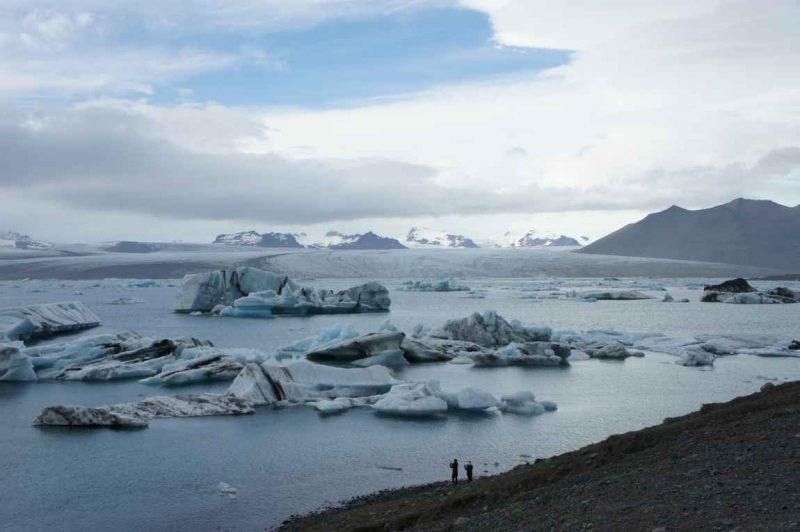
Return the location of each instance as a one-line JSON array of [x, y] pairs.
[[729, 466], [749, 232]]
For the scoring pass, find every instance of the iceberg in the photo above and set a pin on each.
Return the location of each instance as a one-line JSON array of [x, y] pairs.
[[345, 344], [522, 403], [471, 398], [303, 382], [526, 355], [138, 414], [125, 355], [489, 330], [412, 400], [696, 358], [250, 292], [442, 285], [364, 346], [22, 323], [614, 295], [14, 366]]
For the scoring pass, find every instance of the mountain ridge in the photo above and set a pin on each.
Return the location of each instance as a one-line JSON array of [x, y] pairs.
[[743, 231]]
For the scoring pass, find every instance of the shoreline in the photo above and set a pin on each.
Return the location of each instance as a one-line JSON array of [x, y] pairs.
[[728, 466]]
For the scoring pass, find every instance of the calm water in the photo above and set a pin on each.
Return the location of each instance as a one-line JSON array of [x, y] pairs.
[[293, 460]]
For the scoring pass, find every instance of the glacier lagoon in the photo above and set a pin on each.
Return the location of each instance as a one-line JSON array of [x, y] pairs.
[[290, 460]]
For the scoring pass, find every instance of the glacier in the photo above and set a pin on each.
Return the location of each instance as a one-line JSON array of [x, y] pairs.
[[22, 323]]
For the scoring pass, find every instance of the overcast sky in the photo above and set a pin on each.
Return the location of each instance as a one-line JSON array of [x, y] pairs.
[[182, 119]]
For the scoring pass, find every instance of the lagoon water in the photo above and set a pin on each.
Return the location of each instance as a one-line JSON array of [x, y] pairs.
[[292, 460]]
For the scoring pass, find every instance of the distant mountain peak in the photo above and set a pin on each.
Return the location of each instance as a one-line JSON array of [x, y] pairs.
[[256, 239], [424, 236]]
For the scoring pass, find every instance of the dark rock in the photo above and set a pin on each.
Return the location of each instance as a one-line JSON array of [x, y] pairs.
[[734, 286]]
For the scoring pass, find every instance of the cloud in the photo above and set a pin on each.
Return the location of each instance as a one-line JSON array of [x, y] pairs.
[[123, 158]]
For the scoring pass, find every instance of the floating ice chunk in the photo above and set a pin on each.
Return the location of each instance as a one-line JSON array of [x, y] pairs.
[[21, 323], [139, 413], [412, 399], [126, 301], [462, 359], [226, 488], [302, 382], [364, 346], [696, 358], [576, 355], [470, 398], [614, 295], [615, 350], [333, 406], [418, 352], [14, 366], [326, 338], [753, 299], [524, 403], [669, 299], [442, 285], [420, 331], [549, 406], [529, 355], [489, 329], [392, 358]]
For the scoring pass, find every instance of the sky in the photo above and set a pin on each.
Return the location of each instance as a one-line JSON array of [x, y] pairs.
[[182, 119]]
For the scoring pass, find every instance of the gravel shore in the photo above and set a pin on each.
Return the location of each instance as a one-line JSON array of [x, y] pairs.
[[729, 466]]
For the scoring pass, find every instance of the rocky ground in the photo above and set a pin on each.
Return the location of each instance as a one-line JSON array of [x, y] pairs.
[[729, 466]]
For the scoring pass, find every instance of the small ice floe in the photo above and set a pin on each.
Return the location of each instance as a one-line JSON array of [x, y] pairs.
[[227, 489], [442, 285], [614, 295], [669, 299], [126, 301]]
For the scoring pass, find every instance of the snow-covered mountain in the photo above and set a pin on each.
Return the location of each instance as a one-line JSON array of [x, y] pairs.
[[11, 239], [533, 239], [255, 239], [425, 237], [368, 240]]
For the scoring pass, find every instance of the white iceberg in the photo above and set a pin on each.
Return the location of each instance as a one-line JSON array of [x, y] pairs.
[[614, 295], [471, 398], [139, 413], [303, 382], [22, 323], [413, 400]]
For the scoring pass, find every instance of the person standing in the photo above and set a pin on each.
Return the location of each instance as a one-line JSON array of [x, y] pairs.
[[468, 469], [454, 467]]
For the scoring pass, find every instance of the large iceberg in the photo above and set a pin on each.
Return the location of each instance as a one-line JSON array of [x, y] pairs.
[[125, 355], [22, 323], [139, 413], [490, 330], [303, 382], [250, 292]]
